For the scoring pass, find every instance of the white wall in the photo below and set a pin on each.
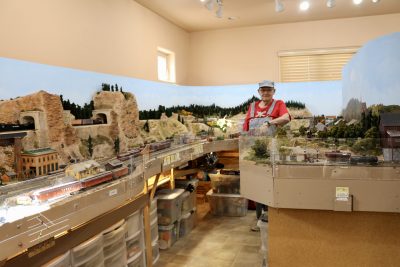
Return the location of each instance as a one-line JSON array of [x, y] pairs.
[[249, 54], [109, 36]]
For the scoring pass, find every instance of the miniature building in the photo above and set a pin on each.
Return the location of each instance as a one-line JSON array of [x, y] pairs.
[[83, 169], [113, 164], [39, 161], [320, 127], [389, 128]]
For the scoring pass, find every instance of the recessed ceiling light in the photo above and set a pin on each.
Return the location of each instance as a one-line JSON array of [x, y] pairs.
[[357, 2], [375, 1], [304, 5]]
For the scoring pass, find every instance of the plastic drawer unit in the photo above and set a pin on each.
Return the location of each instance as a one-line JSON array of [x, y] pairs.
[[114, 241], [61, 261], [153, 204], [227, 204], [153, 215], [225, 182], [187, 223], [169, 206], [167, 235], [134, 244], [85, 251], [134, 223], [154, 230], [95, 260], [156, 252], [136, 261], [188, 201]]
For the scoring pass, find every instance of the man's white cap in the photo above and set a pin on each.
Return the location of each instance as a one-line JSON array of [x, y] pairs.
[[266, 83]]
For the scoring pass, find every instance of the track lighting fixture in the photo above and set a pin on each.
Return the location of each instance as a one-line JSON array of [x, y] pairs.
[[279, 6], [330, 3], [209, 4]]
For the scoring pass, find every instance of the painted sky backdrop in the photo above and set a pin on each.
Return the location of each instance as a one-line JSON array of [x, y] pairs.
[[373, 74], [19, 78]]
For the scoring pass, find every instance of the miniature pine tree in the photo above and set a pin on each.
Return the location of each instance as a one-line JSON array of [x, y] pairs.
[[146, 127], [116, 145], [90, 146]]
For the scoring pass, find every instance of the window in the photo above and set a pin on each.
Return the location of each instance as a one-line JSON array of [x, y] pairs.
[[166, 65], [314, 65]]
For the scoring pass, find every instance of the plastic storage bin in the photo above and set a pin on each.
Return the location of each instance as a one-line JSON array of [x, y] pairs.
[[85, 251], [225, 182], [61, 261], [118, 259], [227, 204], [134, 244], [187, 223], [169, 205], [136, 261], [134, 223], [188, 201], [167, 235]]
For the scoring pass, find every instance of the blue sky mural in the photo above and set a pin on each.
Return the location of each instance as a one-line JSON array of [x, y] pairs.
[[19, 78], [373, 74]]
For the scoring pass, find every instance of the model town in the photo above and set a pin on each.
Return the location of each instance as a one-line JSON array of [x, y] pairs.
[[51, 149]]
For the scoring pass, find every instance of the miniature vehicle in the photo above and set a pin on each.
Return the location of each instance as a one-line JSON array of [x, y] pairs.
[[372, 160], [337, 156]]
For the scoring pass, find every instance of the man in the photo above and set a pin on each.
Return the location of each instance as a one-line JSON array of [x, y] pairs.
[[267, 112], [262, 119]]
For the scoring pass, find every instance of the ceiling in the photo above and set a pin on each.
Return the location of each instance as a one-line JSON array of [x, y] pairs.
[[192, 15]]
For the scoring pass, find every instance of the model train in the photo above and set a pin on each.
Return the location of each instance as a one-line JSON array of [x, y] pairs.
[[153, 147], [60, 190], [7, 127], [79, 122], [345, 157]]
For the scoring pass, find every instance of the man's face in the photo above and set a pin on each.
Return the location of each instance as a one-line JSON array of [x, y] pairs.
[[266, 93]]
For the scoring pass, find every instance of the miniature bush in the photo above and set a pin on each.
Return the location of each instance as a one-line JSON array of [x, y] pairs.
[[260, 149]]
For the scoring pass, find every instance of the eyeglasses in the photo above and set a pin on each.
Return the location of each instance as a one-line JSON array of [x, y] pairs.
[[263, 90]]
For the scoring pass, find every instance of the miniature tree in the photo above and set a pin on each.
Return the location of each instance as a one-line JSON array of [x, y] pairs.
[[302, 130], [90, 145], [116, 145], [146, 126], [260, 149]]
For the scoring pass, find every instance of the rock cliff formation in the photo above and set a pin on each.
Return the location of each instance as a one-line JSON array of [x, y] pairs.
[[50, 129]]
